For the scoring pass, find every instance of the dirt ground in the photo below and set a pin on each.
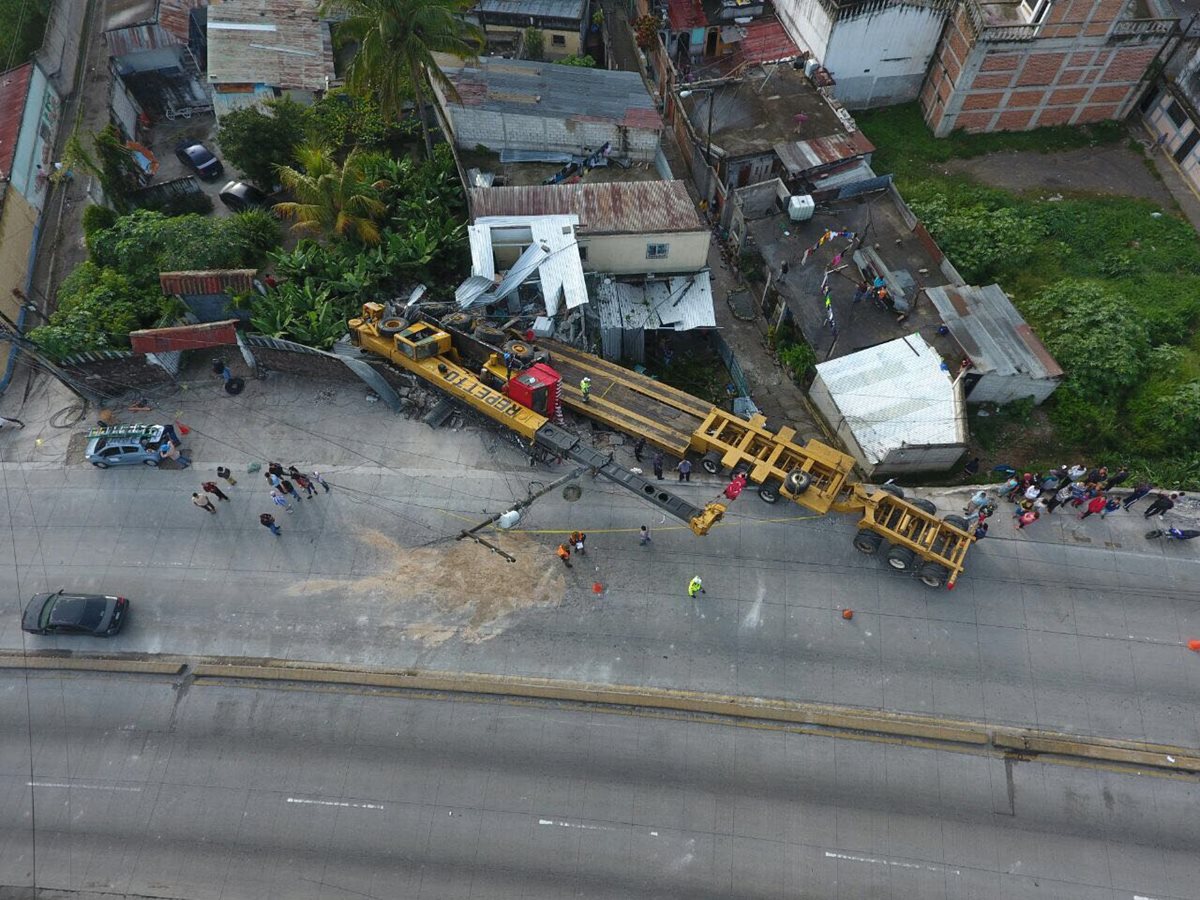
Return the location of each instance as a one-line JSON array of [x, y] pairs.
[[1113, 170]]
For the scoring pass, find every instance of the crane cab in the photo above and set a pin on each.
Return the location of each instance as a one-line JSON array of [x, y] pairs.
[[535, 388], [422, 341]]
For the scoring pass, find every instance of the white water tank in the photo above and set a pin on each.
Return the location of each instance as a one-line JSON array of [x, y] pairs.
[[801, 207], [811, 65]]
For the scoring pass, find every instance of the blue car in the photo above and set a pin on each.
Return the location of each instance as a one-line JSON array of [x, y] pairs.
[[124, 445]]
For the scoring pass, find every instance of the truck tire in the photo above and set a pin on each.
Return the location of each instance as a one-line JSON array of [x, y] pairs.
[[710, 462], [901, 559], [489, 335], [797, 482], [235, 386], [891, 489], [867, 541], [392, 326], [957, 521], [933, 575], [924, 505], [769, 491], [458, 320], [520, 350]]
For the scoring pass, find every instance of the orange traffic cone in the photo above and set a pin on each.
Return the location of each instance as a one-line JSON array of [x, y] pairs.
[[183, 429], [1194, 644], [847, 614], [597, 587]]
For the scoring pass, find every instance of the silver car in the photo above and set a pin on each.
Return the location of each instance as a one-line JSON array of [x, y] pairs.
[[124, 445]]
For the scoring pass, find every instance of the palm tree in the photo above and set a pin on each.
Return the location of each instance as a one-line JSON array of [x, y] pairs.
[[332, 199], [396, 41]]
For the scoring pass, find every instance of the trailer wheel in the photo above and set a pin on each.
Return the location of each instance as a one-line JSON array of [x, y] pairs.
[[924, 505], [520, 350], [867, 541], [710, 462], [392, 326], [901, 559], [891, 489], [489, 335], [769, 491], [957, 521], [797, 482], [933, 575], [457, 320]]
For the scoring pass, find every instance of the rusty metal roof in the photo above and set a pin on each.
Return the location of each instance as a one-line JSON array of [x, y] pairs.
[[212, 281], [684, 14], [136, 38], [124, 13], [184, 337], [14, 88], [766, 41], [804, 156], [282, 43], [638, 207]]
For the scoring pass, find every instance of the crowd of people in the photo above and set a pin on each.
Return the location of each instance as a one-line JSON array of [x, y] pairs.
[[1085, 491]]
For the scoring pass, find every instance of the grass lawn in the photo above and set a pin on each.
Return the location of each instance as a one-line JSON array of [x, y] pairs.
[[1111, 284]]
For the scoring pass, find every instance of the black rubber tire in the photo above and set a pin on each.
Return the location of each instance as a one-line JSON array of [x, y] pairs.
[[768, 491], [152, 463], [710, 462], [891, 489], [957, 521], [1150, 535], [901, 559], [797, 482], [100, 465], [489, 335], [520, 350], [867, 542], [924, 505], [933, 575], [458, 320], [392, 326], [235, 386]]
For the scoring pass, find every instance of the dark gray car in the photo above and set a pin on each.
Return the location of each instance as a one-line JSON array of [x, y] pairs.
[[201, 160], [98, 615]]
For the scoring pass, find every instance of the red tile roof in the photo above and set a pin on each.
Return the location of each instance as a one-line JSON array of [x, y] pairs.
[[14, 87], [215, 281], [685, 14], [766, 41]]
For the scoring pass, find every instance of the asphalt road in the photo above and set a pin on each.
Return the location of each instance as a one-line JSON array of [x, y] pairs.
[[1069, 625], [144, 788]]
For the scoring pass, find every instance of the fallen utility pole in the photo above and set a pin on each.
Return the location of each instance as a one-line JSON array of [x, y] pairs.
[[470, 532]]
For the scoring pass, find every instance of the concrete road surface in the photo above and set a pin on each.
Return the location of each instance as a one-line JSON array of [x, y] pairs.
[[1071, 625], [145, 788]]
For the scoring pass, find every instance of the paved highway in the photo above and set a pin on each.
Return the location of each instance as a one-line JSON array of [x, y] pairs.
[[145, 788]]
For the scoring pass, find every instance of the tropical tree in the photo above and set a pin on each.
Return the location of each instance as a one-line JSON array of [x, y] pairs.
[[396, 40], [332, 200]]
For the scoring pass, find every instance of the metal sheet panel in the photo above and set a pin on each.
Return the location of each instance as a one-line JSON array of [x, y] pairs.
[[603, 208]]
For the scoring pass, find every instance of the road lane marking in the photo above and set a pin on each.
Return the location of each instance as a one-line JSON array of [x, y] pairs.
[[344, 803], [900, 864], [83, 787], [575, 825]]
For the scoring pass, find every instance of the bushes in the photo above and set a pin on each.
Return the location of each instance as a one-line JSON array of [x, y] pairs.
[[799, 358], [980, 234], [97, 218]]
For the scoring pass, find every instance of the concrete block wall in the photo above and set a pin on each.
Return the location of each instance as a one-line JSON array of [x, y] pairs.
[[1071, 73], [497, 131]]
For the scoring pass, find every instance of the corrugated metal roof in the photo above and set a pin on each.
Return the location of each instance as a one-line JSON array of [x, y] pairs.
[[803, 156], [136, 38], [14, 89], [559, 92], [991, 331], [612, 207], [686, 14], [173, 15], [766, 41], [548, 9], [560, 271], [211, 281], [124, 13], [184, 337], [895, 395], [682, 303], [282, 43]]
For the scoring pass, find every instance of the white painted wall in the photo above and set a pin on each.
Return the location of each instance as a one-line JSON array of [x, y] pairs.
[[625, 254], [1163, 128], [807, 23], [880, 58]]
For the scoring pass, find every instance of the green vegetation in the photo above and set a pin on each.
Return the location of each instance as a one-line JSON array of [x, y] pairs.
[[587, 61], [25, 21], [533, 43], [1111, 284], [332, 201]]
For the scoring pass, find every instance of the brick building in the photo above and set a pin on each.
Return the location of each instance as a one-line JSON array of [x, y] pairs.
[[1017, 66]]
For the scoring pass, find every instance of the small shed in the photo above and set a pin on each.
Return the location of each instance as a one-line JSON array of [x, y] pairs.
[[1008, 361], [894, 406]]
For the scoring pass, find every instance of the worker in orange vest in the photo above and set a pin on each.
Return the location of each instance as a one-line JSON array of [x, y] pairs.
[[564, 554]]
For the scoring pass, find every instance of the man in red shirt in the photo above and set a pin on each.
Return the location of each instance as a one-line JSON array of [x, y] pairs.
[[1095, 505]]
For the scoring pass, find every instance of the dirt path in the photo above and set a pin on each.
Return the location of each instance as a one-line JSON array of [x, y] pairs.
[[1100, 170]]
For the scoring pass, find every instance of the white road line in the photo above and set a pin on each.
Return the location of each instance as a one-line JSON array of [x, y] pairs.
[[84, 787], [335, 803], [575, 825], [900, 864]]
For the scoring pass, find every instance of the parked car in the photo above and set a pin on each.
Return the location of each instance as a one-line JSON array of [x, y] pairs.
[[62, 613], [124, 445], [201, 160], [240, 196]]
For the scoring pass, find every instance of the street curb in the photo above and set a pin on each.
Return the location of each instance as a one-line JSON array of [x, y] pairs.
[[10, 659]]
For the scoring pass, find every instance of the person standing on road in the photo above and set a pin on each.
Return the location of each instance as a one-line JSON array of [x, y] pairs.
[[202, 502], [658, 465], [578, 541], [565, 555], [638, 448], [1140, 490], [644, 536], [1063, 495], [1119, 478], [976, 503], [321, 481], [268, 520], [1161, 505], [289, 490], [280, 500], [685, 470], [585, 388], [695, 586], [171, 452], [981, 530], [1026, 518], [274, 468], [1112, 505], [224, 473], [302, 481], [1095, 505], [210, 487]]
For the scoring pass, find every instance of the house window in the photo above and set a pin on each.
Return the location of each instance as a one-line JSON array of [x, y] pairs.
[[583, 253], [558, 40], [657, 251], [1187, 146], [1036, 11], [1178, 116]]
